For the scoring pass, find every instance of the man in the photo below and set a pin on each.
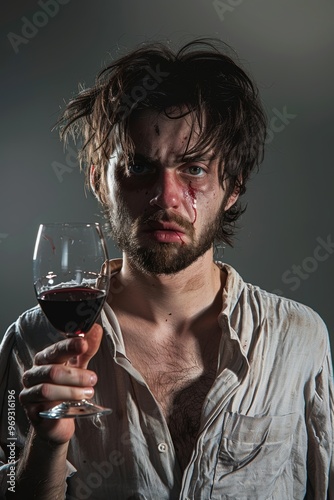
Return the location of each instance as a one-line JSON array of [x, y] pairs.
[[218, 389]]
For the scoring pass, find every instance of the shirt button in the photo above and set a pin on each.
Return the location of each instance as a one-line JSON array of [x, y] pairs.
[[162, 447]]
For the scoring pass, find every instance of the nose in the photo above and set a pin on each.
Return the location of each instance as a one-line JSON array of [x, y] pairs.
[[167, 191]]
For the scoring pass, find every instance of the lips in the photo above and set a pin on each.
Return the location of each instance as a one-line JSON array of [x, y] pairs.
[[165, 232], [165, 226]]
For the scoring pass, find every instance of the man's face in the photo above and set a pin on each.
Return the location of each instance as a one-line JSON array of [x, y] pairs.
[[165, 207]]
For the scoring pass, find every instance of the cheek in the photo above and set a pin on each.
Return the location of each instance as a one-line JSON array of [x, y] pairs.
[[205, 204], [190, 198], [136, 192]]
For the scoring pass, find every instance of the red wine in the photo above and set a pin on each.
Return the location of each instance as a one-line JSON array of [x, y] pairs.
[[72, 310]]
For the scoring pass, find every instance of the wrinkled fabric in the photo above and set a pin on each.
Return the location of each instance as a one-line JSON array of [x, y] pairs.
[[266, 428]]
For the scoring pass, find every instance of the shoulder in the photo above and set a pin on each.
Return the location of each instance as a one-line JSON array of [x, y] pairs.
[[285, 323], [286, 312], [30, 333], [296, 329]]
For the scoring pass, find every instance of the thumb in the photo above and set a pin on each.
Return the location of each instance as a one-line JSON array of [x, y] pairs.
[[93, 338]]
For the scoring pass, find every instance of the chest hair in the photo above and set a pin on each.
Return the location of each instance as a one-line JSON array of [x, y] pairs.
[[179, 377]]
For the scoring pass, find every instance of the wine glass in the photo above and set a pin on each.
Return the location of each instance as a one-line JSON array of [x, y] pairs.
[[71, 288]]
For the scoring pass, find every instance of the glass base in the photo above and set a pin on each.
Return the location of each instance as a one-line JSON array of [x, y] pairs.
[[74, 409]]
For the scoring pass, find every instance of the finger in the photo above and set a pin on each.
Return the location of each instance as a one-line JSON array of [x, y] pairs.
[[51, 392], [59, 374], [61, 352], [93, 339]]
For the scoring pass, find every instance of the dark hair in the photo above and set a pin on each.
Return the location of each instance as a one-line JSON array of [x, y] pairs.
[[199, 78]]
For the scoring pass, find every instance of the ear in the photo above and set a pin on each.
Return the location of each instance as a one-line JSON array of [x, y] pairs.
[[92, 179], [96, 185], [233, 198]]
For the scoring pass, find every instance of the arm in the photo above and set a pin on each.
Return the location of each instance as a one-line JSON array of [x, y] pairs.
[[59, 373], [42, 470]]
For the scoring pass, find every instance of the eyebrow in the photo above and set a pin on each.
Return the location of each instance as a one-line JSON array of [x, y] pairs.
[[189, 157], [186, 157]]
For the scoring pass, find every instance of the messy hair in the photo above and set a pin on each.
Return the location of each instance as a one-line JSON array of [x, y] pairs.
[[199, 79]]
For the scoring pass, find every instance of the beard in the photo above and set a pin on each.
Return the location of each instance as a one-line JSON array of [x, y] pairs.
[[153, 257]]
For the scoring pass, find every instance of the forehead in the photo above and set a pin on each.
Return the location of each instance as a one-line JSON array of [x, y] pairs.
[[157, 133]]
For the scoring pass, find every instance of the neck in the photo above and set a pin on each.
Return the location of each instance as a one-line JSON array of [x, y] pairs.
[[174, 300]]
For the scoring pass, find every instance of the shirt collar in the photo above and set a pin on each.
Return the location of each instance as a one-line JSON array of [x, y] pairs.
[[232, 291], [233, 288]]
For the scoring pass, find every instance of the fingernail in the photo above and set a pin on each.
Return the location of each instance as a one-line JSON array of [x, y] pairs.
[[93, 379], [88, 392]]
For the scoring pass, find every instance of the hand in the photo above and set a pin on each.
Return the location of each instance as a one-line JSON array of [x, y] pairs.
[[60, 374]]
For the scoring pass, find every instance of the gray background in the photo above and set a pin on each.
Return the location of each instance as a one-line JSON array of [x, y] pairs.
[[288, 48]]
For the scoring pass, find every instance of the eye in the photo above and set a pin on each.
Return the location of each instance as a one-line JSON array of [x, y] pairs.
[[196, 170], [140, 169]]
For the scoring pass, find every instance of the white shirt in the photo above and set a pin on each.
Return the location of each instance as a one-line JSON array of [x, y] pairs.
[[267, 422]]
